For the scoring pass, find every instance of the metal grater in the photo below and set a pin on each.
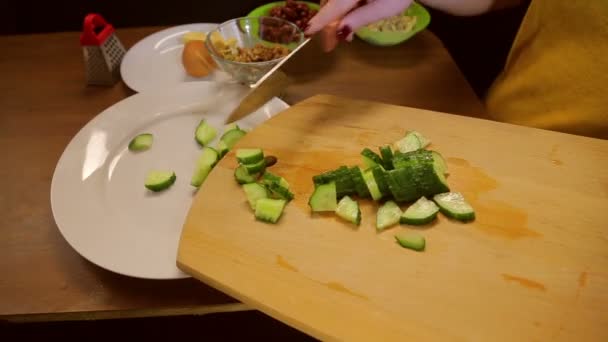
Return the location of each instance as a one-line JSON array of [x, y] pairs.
[[102, 50]]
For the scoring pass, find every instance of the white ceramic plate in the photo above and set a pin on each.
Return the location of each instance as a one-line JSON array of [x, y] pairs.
[[98, 197], [155, 61]]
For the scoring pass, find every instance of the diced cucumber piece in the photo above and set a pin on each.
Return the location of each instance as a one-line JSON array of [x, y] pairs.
[[222, 148], [278, 191], [411, 241], [256, 167], [388, 215], [341, 176], [387, 157], [368, 176], [370, 158], [205, 133], [359, 182], [440, 162], [424, 142], [159, 180], [249, 155], [380, 177], [232, 136], [269, 209], [254, 191], [402, 185], [453, 204], [201, 171], [242, 176], [209, 156], [416, 174], [421, 212], [269, 177], [141, 142], [324, 198], [408, 143], [348, 209]]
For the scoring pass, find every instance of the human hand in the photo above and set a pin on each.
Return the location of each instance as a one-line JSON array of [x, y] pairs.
[[339, 19]]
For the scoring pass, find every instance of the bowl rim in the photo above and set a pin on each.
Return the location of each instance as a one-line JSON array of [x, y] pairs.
[[212, 51]]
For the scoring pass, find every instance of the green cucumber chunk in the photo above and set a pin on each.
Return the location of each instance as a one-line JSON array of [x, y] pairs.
[[411, 241], [341, 176], [370, 158], [253, 192], [380, 177], [348, 209], [387, 157], [249, 155], [269, 177], [359, 182], [256, 167], [402, 185], [201, 171], [368, 176], [440, 162], [242, 176], [324, 198], [159, 180], [424, 142], [231, 137], [423, 211], [388, 215], [453, 204], [204, 133], [222, 148], [278, 191], [408, 143], [269, 209], [141, 142]]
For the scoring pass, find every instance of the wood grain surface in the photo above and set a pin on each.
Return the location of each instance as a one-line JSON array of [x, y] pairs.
[[45, 102], [532, 266]]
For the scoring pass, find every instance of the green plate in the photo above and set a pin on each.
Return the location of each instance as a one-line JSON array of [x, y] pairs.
[[423, 18], [264, 10]]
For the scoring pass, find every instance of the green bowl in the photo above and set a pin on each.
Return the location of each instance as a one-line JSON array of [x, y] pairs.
[[264, 11], [423, 18]]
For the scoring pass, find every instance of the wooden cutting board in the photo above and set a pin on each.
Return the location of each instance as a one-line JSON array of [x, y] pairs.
[[533, 266]]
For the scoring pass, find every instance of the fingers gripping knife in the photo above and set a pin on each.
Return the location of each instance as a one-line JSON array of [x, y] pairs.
[[102, 50]]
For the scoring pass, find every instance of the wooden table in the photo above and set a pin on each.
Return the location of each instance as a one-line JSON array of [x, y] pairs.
[[43, 104]]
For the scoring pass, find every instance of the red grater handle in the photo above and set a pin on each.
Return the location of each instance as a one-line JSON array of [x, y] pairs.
[[95, 30]]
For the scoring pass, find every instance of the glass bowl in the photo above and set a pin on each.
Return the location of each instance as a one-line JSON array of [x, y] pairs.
[[268, 34]]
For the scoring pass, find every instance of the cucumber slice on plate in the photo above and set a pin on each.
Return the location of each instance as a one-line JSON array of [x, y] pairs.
[[242, 176], [204, 133], [324, 198], [269, 210], [348, 209], [201, 172], [453, 204], [159, 180], [423, 211], [249, 155], [141, 142], [253, 192], [232, 136], [388, 215], [412, 241]]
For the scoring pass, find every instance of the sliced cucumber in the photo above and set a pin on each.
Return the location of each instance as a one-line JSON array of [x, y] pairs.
[[231, 137], [411, 241], [388, 215], [341, 176], [243, 176], [370, 158], [201, 171], [222, 148], [254, 191], [401, 185], [368, 176], [278, 191], [269, 177], [141, 142], [408, 143], [416, 174], [205, 133], [256, 167], [348, 209], [359, 182], [424, 142], [453, 204], [269, 209], [159, 180], [209, 156], [380, 177], [324, 198], [421, 212], [249, 155], [387, 157], [440, 162]]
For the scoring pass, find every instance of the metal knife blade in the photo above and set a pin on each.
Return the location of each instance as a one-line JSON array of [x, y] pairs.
[[268, 86]]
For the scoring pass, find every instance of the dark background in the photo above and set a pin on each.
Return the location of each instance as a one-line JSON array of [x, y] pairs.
[[479, 45]]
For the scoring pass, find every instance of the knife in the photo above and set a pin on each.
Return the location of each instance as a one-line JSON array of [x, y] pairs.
[[267, 87]]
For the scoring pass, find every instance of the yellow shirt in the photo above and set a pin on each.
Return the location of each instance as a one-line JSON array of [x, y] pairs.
[[556, 74]]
